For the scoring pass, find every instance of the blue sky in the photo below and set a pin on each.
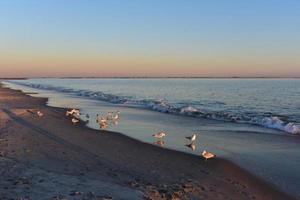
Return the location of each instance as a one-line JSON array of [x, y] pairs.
[[138, 37]]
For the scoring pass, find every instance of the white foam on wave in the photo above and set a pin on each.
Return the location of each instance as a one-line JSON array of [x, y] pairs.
[[277, 123], [272, 122], [188, 110]]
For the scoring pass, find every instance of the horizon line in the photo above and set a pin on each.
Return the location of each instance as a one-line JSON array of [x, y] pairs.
[[153, 77]]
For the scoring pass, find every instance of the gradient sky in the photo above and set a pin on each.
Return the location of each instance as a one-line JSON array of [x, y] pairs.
[[149, 38]]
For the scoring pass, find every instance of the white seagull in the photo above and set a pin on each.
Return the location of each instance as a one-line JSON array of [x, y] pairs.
[[39, 113], [117, 115], [208, 155], [73, 112], [102, 121], [192, 138], [74, 120], [160, 135], [68, 113]]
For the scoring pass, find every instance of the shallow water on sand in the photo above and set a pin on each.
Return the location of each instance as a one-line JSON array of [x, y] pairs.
[[269, 153]]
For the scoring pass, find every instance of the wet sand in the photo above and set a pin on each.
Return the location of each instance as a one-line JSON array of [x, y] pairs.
[[50, 158]]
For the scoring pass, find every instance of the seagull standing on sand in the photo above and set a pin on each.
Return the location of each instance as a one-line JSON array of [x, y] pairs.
[[73, 112], [208, 155], [74, 120], [39, 113], [160, 135], [192, 138], [68, 113], [76, 114]]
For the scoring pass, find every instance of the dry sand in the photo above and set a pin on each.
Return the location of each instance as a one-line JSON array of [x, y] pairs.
[[50, 158]]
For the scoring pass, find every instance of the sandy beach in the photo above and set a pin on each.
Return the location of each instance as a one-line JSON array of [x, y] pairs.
[[50, 158]]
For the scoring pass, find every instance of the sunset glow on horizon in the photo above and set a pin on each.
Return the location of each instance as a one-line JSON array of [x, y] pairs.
[[149, 38]]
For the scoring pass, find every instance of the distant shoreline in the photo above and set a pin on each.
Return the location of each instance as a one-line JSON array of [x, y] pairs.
[[154, 77]]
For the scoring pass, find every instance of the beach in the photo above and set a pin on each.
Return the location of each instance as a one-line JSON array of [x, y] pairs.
[[50, 158], [180, 100]]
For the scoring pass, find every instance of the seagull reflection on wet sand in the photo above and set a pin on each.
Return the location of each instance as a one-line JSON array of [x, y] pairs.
[[192, 146], [160, 143]]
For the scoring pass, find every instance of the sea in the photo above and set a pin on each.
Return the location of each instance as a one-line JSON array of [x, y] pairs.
[[253, 122]]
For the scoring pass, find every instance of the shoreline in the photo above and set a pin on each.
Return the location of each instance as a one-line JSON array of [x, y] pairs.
[[286, 125], [130, 167]]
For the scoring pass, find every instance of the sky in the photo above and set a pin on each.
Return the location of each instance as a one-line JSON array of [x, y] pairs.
[[149, 38]]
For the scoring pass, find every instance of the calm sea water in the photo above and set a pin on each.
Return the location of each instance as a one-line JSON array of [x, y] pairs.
[[253, 122]]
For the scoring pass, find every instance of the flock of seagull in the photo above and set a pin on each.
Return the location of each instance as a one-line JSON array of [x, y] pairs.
[[114, 117], [103, 121], [110, 118]]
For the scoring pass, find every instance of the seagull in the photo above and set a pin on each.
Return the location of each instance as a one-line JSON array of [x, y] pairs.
[[117, 115], [68, 113], [40, 114], [160, 135], [192, 138], [73, 112], [74, 120], [102, 121], [192, 146], [77, 111], [109, 116], [208, 155], [103, 126]]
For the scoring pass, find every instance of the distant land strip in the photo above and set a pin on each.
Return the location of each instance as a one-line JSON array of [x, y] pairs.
[[151, 77]]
